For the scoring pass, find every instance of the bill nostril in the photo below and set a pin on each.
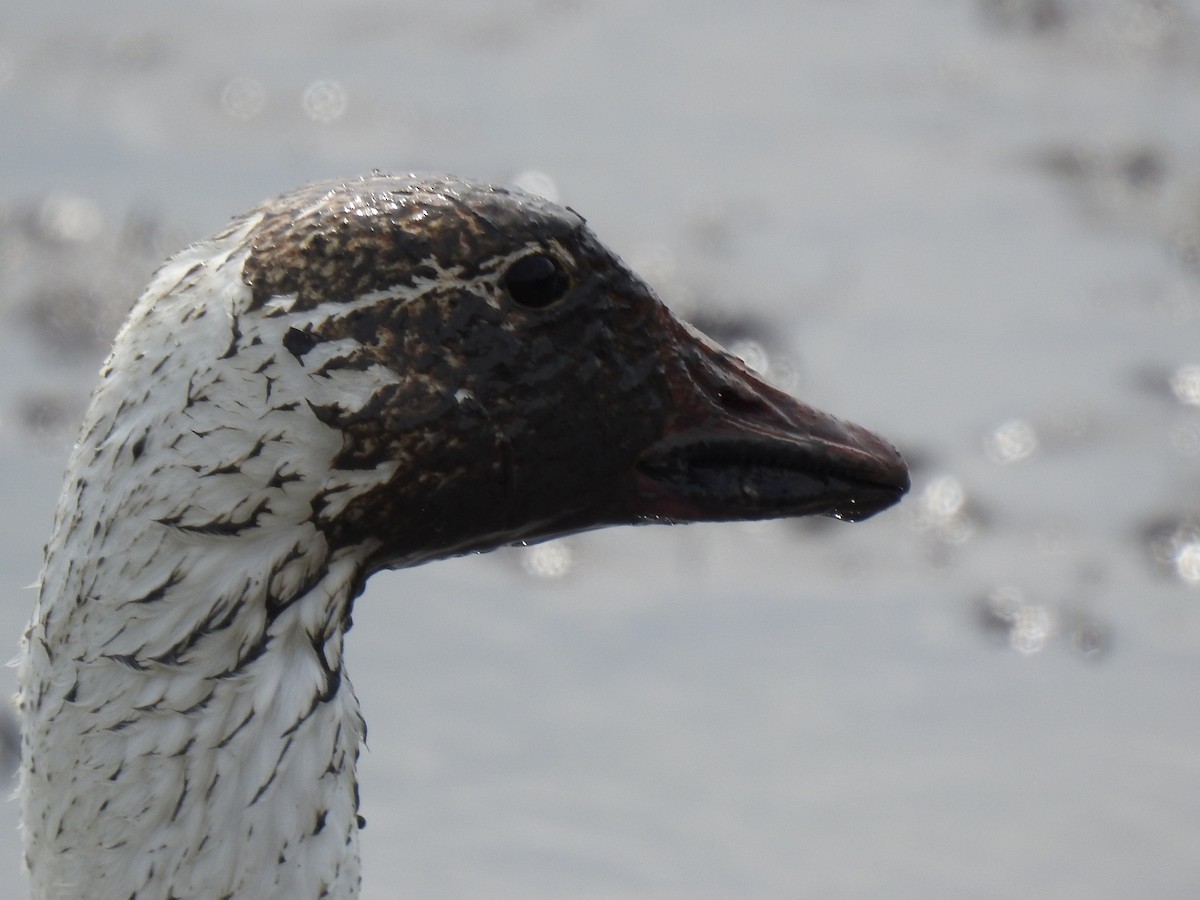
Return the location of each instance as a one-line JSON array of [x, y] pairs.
[[739, 402]]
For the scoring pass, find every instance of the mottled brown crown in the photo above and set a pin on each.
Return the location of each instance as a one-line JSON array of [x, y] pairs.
[[338, 241]]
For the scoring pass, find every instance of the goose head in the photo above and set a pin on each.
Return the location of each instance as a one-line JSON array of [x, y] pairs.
[[530, 384]]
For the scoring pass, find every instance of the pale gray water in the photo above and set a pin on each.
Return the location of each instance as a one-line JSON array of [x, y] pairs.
[[973, 226]]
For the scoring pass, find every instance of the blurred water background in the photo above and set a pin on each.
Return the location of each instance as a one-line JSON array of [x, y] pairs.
[[972, 225]]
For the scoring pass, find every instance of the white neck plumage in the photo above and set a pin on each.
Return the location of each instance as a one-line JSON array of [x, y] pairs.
[[189, 730], [258, 747]]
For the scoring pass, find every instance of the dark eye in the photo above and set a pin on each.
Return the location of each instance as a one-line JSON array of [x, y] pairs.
[[536, 281]]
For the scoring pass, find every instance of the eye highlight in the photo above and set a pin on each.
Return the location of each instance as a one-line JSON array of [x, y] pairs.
[[536, 281]]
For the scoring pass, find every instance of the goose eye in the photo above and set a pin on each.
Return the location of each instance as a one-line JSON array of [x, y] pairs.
[[536, 281]]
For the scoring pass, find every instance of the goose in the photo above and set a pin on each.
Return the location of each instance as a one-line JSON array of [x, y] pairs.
[[359, 375]]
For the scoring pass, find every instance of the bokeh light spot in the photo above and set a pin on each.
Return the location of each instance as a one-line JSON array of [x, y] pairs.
[[553, 559], [325, 101], [1185, 384], [1026, 626], [940, 511], [1031, 628], [1187, 562], [1011, 442], [534, 181], [70, 218], [243, 98], [753, 354]]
